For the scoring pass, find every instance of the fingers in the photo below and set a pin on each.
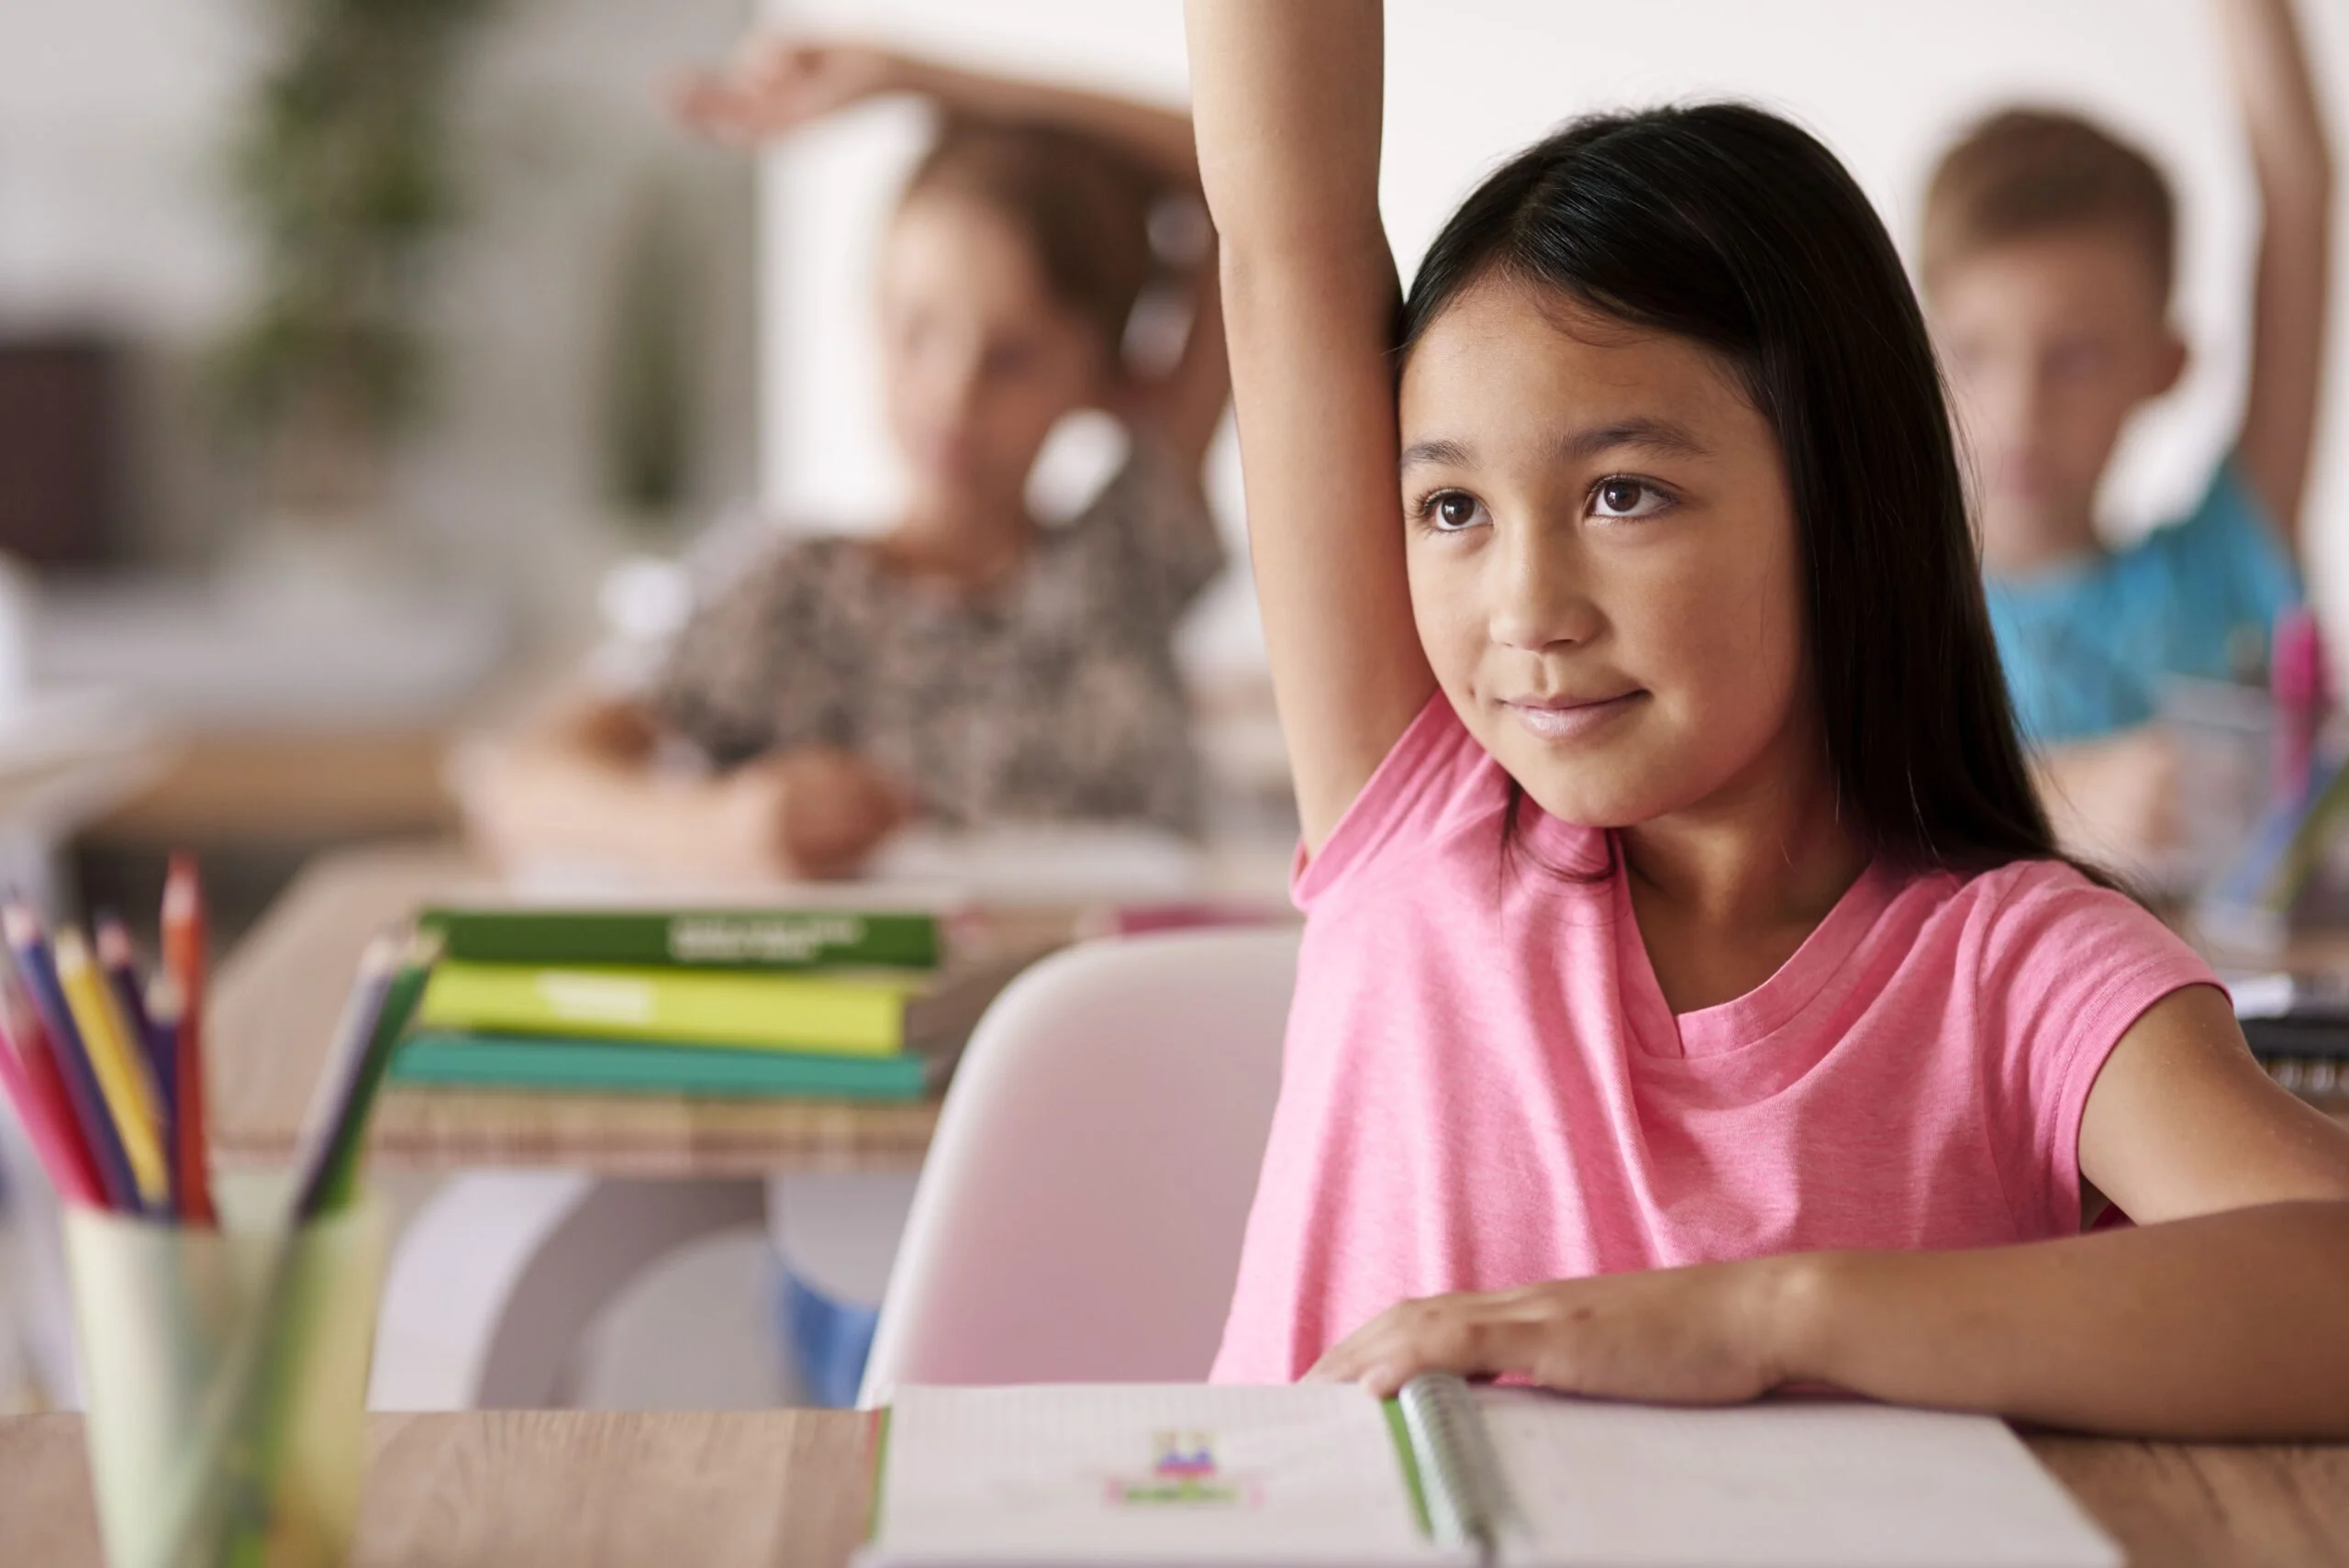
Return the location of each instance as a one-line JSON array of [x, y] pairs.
[[1676, 1336], [754, 95], [1475, 1336]]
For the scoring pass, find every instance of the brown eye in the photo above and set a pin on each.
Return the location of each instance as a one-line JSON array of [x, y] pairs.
[[1626, 498], [1454, 510]]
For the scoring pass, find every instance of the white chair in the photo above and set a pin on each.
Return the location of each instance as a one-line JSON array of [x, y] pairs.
[[1079, 1216]]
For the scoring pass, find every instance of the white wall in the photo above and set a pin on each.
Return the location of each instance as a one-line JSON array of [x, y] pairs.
[[1886, 82], [108, 111], [114, 119]]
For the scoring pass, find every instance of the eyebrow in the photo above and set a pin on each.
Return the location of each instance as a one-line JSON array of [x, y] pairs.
[[1449, 454], [1652, 435]]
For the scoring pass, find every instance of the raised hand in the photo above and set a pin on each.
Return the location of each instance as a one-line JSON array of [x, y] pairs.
[[774, 86]]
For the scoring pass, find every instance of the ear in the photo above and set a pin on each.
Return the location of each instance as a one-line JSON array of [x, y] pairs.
[[2170, 362]]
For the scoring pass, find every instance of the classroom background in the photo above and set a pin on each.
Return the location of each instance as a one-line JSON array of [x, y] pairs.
[[625, 342]]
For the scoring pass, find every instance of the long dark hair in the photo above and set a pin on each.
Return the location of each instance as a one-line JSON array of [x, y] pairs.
[[1730, 227]]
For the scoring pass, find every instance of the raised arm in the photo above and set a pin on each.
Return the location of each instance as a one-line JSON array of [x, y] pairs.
[[2294, 163], [1287, 100], [778, 85]]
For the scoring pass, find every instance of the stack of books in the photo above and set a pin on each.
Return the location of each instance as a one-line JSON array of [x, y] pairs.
[[2298, 1028], [721, 1002]]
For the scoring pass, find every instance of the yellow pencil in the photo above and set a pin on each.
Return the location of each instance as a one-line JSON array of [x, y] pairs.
[[121, 1071]]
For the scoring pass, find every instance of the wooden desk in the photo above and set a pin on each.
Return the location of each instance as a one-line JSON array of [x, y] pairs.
[[273, 1012], [788, 1488], [222, 789]]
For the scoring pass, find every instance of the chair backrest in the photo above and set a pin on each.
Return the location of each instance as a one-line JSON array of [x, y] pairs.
[[1079, 1216]]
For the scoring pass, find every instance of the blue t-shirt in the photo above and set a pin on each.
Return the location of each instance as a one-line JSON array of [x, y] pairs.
[[2085, 645]]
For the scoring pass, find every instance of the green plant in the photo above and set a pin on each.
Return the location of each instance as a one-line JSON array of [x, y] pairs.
[[343, 171], [650, 354]]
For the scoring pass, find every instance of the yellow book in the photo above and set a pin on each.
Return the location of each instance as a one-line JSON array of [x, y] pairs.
[[848, 1013], [119, 1064]]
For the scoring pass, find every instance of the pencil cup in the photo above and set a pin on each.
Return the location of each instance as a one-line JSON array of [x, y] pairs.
[[225, 1376]]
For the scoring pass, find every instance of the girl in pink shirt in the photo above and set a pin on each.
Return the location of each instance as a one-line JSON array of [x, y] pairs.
[[1693, 998]]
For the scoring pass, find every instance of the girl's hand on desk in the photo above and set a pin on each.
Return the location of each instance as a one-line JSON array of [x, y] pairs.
[[813, 812], [778, 85], [1693, 1336]]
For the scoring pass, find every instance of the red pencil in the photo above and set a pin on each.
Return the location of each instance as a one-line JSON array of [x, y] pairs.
[[184, 956], [29, 1080]]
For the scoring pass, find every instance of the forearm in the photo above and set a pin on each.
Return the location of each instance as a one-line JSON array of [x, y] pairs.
[[549, 796], [2225, 1326], [1286, 99], [2292, 153], [2291, 277], [1159, 137]]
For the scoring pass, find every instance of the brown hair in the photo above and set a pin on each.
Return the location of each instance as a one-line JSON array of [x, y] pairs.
[[1083, 206], [2029, 172]]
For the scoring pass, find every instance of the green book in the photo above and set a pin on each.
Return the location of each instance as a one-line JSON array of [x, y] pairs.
[[442, 1059], [870, 1013], [687, 939]]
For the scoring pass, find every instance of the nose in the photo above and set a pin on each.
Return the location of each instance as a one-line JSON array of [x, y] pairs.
[[1540, 589]]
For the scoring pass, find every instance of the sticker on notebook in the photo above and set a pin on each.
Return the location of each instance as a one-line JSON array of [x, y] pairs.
[[1184, 1473]]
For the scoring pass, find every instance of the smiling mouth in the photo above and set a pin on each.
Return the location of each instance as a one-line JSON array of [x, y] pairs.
[[1548, 720]]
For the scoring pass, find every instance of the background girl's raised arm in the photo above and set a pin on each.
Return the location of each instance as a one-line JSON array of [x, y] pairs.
[[1287, 100]]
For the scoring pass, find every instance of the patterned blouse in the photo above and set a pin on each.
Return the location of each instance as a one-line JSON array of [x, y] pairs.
[[1053, 697]]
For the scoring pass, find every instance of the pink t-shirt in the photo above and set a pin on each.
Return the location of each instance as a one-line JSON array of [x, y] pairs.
[[1484, 1087]]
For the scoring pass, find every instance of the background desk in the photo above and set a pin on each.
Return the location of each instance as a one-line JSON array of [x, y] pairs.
[[272, 1013], [790, 1489]]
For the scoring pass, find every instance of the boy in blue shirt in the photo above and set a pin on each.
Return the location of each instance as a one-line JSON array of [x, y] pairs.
[[2049, 249]]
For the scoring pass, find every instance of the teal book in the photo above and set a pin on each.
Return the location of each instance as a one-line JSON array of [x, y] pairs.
[[442, 1059], [687, 938]]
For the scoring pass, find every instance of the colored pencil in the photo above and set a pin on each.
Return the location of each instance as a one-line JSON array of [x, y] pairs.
[[164, 1013], [337, 1094], [121, 1066], [183, 941], [22, 930], [118, 960], [340, 1178], [29, 1080]]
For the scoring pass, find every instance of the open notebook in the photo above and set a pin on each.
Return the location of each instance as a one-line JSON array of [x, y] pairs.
[[1324, 1474]]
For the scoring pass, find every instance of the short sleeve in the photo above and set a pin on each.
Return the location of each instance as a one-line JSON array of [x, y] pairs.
[[753, 671], [1152, 524], [2228, 577], [2065, 967], [1434, 773]]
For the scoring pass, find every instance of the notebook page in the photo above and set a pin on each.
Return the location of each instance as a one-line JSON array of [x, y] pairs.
[[1796, 1481], [1159, 1474]]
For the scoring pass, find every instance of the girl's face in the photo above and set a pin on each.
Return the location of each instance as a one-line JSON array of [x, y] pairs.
[[979, 361], [1604, 564]]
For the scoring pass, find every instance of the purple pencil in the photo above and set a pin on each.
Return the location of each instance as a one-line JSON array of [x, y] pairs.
[[30, 945]]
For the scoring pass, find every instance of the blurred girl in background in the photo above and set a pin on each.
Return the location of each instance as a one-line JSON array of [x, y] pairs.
[[967, 665]]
